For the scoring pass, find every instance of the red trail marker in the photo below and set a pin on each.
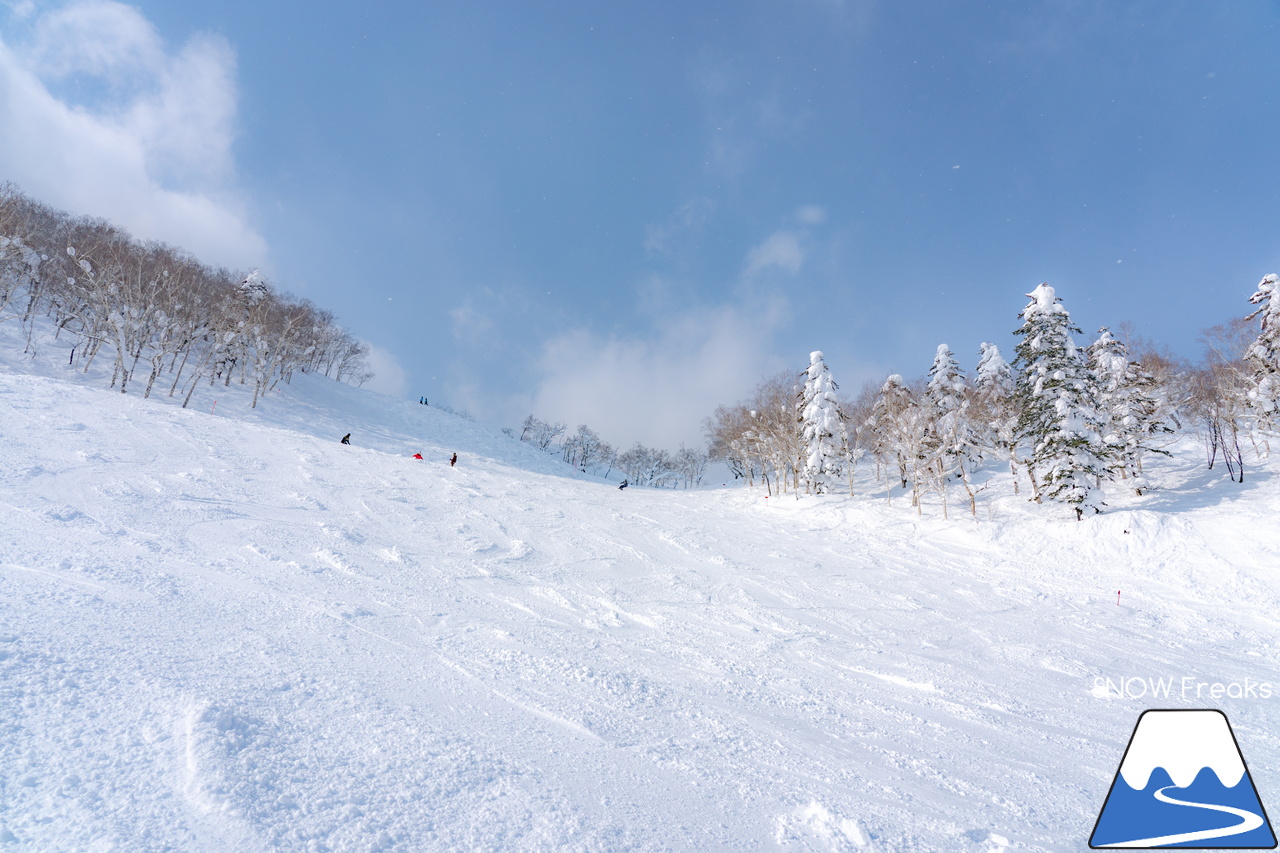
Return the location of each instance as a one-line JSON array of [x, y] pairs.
[[1117, 598]]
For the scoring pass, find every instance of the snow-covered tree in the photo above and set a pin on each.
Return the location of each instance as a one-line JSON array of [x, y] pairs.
[[891, 404], [540, 433], [254, 288], [19, 266], [691, 463], [1127, 406], [994, 376], [953, 444], [1263, 357], [993, 407], [154, 306], [19, 262], [584, 450], [728, 440], [776, 433], [901, 434], [946, 402], [946, 389], [821, 426], [761, 437], [647, 466], [1218, 400], [1059, 416]]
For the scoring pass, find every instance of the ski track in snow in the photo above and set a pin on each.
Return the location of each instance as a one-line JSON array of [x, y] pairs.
[[232, 633]]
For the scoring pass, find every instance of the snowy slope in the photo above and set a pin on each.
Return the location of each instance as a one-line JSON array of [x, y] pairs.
[[229, 632]]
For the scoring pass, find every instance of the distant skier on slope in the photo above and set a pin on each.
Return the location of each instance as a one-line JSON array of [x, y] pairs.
[[346, 439], [417, 456], [453, 460], [623, 486]]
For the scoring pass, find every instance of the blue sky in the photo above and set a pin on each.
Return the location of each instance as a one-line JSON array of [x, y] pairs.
[[625, 214]]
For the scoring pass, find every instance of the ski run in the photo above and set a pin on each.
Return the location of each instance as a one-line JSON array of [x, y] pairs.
[[225, 631]]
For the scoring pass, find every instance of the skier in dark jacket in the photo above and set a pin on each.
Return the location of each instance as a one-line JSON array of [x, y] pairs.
[[346, 439], [453, 460], [623, 486]]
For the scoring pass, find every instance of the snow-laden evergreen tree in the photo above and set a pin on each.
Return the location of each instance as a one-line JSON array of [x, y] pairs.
[[1057, 397], [821, 427], [254, 288], [946, 389], [1263, 357], [945, 404], [994, 375], [993, 407], [994, 414], [890, 404], [1127, 405], [953, 444]]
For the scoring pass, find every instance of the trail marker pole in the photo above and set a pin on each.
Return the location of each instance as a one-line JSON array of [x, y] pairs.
[[214, 410], [1117, 598]]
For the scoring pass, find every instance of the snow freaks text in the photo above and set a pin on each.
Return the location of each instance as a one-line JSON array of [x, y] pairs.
[[1187, 687]]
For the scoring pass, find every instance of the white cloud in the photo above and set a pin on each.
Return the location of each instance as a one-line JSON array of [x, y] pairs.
[[471, 325], [782, 250], [686, 219], [100, 38], [151, 150], [811, 214], [658, 390], [657, 387], [21, 8], [388, 376]]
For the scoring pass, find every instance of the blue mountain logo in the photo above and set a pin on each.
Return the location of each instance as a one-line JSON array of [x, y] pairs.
[[1183, 783]]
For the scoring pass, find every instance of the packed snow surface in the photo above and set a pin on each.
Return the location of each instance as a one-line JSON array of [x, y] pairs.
[[220, 629]]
